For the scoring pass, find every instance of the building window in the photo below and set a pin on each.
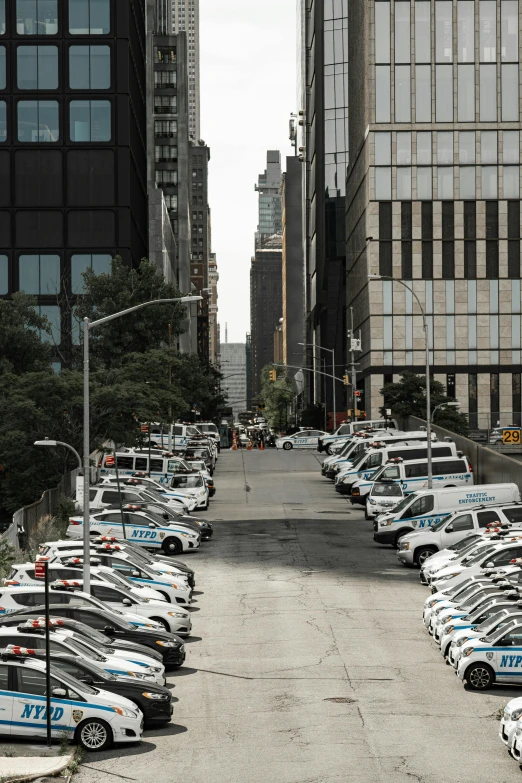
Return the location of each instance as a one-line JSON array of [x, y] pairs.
[[488, 147], [382, 92], [424, 183], [165, 104], [166, 154], [445, 148], [466, 147], [488, 31], [473, 400], [514, 241], [4, 275], [38, 121], [165, 129], [510, 76], [404, 183], [99, 263], [383, 183], [489, 182], [89, 67], [424, 148], [402, 93], [382, 32], [3, 121], [443, 93], [423, 93], [171, 202], [39, 274], [492, 240], [448, 245], [89, 17], [467, 182], [36, 17], [466, 31], [166, 178], [2, 68], [422, 32], [470, 234], [517, 397], [165, 79], [488, 93], [495, 394], [2, 17], [54, 316], [509, 31], [427, 237], [402, 31], [385, 237], [90, 120], [466, 93], [37, 67], [511, 147], [511, 176], [165, 55], [406, 237], [443, 31], [445, 182]]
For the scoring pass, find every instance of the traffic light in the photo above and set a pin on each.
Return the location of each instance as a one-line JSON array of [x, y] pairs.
[[346, 380], [272, 375]]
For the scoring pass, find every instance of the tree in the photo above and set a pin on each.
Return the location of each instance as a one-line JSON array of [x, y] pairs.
[[407, 397], [21, 347], [313, 417], [138, 332], [276, 395]]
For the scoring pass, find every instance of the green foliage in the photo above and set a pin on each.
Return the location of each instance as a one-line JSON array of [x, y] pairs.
[[407, 397], [276, 395], [138, 332], [21, 349], [7, 557]]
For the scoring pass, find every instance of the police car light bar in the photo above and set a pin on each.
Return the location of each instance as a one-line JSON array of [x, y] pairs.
[[395, 459], [106, 538], [14, 651], [60, 584], [130, 507]]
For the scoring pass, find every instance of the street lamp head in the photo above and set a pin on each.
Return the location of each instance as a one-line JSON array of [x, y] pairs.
[[45, 442], [455, 404], [374, 277], [189, 299], [369, 239]]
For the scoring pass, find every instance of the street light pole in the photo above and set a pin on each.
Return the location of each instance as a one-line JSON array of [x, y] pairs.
[[48, 442], [87, 326], [332, 351], [428, 390]]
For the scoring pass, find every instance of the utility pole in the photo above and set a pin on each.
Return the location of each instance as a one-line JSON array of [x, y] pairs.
[[355, 345]]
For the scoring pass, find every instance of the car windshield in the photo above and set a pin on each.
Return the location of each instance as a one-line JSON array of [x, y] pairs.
[[438, 525], [499, 633], [198, 465], [405, 502], [85, 650], [491, 622], [476, 557], [189, 482], [388, 490], [71, 682], [461, 547], [456, 590]]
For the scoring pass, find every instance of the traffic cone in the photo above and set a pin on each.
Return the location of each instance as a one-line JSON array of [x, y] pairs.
[[249, 447], [234, 444], [261, 446]]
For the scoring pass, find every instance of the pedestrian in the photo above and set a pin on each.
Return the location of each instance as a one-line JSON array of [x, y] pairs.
[[262, 439]]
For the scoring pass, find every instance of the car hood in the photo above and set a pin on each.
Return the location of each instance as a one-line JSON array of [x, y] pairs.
[[113, 699]]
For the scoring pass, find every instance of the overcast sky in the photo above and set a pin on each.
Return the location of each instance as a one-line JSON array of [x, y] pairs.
[[248, 89]]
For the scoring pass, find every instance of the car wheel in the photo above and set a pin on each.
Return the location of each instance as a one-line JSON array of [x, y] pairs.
[[422, 554], [479, 676], [94, 735], [329, 451], [162, 622], [172, 546], [287, 446], [366, 511]]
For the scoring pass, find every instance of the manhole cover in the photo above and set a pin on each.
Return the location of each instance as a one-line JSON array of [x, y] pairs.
[[341, 700]]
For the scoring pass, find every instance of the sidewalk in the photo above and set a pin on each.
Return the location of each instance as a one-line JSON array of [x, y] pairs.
[[20, 761]]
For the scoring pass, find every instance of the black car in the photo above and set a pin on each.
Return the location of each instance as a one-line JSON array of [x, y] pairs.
[[116, 628], [90, 634], [154, 701]]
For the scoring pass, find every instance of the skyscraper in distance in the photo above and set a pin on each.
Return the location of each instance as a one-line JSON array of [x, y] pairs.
[[185, 18], [269, 189]]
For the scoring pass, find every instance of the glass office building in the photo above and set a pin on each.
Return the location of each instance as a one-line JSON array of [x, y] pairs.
[[436, 186], [72, 147]]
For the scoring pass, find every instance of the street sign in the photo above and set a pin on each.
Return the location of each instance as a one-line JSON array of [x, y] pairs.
[[144, 427], [511, 436], [39, 569]]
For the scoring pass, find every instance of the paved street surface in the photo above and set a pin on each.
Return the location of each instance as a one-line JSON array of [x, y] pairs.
[[310, 663]]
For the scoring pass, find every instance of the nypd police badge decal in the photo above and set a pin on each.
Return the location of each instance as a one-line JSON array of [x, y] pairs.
[[489, 656], [77, 715]]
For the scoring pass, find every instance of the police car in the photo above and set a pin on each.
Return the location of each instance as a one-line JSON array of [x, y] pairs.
[[24, 574], [304, 439], [157, 560], [495, 555], [145, 529], [108, 494], [486, 617], [458, 592], [496, 616], [493, 659], [508, 724], [383, 496], [118, 597], [92, 718], [32, 634], [171, 588], [477, 601]]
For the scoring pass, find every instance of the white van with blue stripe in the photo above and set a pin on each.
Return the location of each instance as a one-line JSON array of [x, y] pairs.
[[91, 717]]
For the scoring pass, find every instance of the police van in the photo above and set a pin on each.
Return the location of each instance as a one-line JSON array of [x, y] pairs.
[[351, 428], [374, 466], [173, 435], [427, 507], [162, 467], [416, 547], [93, 718], [353, 449]]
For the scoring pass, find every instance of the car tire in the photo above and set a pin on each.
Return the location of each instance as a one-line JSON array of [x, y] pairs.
[[479, 677], [329, 451], [366, 511], [422, 554], [287, 446], [162, 622], [172, 546], [94, 735]]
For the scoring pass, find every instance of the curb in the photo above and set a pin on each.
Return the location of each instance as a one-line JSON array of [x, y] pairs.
[[65, 761]]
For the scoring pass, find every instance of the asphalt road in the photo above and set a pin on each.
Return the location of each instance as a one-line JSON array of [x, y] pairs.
[[310, 663]]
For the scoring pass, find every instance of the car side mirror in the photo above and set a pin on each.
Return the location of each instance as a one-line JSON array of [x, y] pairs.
[[109, 630], [151, 524], [490, 565], [449, 529], [60, 693], [127, 602], [135, 573]]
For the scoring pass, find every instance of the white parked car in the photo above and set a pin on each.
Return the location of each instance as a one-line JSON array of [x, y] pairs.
[[89, 716], [304, 439], [508, 724], [495, 659], [383, 496]]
